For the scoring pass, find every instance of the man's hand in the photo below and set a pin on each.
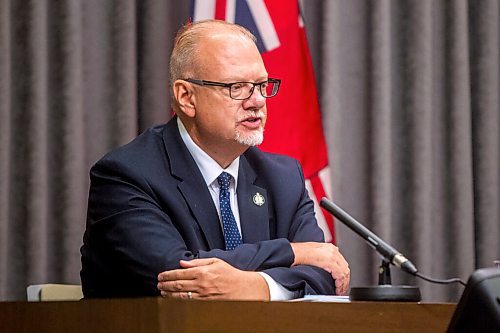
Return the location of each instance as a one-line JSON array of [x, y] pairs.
[[212, 279], [326, 256]]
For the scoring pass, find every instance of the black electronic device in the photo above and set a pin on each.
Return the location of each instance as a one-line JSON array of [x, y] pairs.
[[479, 307]]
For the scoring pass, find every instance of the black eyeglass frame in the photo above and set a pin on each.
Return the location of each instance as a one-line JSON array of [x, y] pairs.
[[276, 88]]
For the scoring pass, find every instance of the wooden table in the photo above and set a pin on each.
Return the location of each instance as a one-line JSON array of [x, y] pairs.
[[160, 315]]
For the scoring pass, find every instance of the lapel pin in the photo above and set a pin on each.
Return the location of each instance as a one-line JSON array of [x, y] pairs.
[[258, 199]]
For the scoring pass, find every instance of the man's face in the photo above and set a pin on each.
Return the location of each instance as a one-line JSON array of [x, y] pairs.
[[220, 119]]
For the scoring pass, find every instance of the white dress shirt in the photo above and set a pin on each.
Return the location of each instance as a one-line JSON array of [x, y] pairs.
[[210, 170]]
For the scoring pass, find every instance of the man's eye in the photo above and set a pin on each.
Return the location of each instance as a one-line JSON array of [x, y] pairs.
[[237, 87]]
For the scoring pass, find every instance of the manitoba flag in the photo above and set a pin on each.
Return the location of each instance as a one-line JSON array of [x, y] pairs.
[[294, 121]]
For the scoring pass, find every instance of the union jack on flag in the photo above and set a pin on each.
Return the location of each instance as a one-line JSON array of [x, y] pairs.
[[294, 122]]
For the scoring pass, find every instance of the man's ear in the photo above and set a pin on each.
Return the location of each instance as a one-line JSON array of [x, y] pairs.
[[184, 95]]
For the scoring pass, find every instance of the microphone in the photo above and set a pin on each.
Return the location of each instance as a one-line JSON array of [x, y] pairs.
[[384, 291], [388, 252]]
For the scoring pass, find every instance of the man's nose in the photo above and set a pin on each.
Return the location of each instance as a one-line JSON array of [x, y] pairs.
[[256, 99]]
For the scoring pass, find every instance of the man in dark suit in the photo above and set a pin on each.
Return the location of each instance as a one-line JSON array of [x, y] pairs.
[[192, 209]]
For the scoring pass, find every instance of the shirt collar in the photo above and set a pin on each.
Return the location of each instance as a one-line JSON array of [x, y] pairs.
[[209, 168]]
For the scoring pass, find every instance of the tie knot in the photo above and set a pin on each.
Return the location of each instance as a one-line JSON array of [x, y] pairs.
[[224, 180]]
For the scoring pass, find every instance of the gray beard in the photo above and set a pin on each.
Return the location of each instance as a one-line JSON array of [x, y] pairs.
[[253, 139]]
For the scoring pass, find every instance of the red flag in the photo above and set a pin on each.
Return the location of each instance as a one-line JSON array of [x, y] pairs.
[[294, 124]]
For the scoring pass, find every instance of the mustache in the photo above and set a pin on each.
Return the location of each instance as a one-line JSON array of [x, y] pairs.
[[253, 114]]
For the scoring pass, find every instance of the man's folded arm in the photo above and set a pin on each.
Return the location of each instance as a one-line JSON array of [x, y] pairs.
[[120, 240], [130, 234]]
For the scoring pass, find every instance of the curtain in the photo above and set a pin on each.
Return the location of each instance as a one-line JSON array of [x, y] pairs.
[[409, 92], [410, 101], [78, 78]]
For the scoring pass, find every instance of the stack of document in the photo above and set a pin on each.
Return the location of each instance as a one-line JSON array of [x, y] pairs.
[[323, 298]]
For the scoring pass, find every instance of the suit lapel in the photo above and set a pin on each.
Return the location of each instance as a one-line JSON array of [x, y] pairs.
[[252, 205], [192, 186]]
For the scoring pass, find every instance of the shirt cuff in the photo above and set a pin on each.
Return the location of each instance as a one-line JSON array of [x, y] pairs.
[[276, 291]]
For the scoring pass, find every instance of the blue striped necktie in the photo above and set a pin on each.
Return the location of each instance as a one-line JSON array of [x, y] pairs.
[[231, 233]]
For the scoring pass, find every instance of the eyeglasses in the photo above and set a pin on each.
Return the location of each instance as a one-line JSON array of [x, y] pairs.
[[243, 90]]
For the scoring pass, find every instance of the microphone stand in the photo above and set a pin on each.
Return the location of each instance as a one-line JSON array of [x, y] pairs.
[[384, 272], [384, 291]]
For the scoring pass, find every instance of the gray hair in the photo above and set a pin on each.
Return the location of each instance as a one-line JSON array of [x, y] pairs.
[[183, 61]]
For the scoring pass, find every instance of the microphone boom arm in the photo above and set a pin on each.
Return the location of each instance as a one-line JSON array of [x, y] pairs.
[[387, 251]]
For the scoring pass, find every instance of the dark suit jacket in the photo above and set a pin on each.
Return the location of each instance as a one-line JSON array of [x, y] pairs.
[[149, 207]]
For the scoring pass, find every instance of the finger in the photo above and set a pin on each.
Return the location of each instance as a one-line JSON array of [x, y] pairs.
[[342, 286], [197, 262], [179, 295], [177, 286], [177, 274], [169, 275], [341, 289], [341, 292]]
